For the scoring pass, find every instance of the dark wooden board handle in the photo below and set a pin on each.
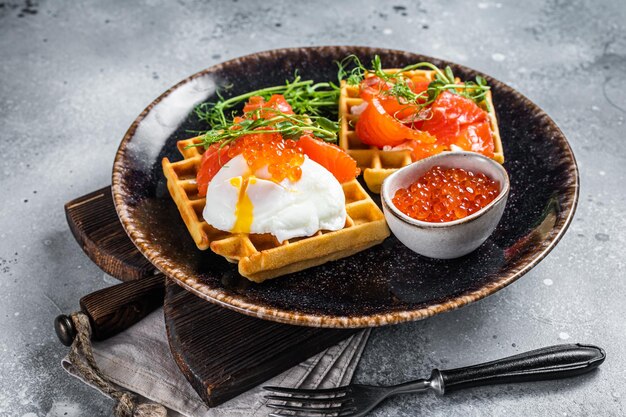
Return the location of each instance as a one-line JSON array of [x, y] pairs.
[[114, 309], [94, 223]]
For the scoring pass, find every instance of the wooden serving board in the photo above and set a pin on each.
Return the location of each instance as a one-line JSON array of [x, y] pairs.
[[222, 353], [94, 223]]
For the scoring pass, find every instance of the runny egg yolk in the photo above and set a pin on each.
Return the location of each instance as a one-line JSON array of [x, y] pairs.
[[244, 208], [282, 159], [242, 201]]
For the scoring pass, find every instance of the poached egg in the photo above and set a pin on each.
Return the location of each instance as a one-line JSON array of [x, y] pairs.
[[241, 201]]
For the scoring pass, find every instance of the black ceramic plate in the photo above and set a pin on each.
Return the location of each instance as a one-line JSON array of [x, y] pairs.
[[382, 285]]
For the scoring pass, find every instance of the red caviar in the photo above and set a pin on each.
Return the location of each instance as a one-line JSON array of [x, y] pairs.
[[443, 195], [282, 157]]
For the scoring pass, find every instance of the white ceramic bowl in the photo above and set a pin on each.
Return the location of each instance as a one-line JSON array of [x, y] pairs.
[[450, 239]]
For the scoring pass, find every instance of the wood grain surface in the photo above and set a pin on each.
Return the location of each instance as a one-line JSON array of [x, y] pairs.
[[113, 309], [222, 353], [96, 227]]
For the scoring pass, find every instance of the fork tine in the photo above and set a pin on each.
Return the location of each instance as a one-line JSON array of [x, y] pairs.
[[301, 413], [311, 400], [350, 414], [317, 410], [286, 415], [298, 391]]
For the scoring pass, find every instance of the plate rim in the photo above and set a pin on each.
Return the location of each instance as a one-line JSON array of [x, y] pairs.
[[237, 303]]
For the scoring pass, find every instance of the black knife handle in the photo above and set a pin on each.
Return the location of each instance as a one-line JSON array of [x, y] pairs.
[[114, 309], [560, 361]]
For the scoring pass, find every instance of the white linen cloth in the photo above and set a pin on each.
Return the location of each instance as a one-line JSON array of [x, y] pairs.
[[139, 360]]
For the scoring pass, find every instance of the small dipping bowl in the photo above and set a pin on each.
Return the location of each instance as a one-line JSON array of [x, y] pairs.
[[449, 239]]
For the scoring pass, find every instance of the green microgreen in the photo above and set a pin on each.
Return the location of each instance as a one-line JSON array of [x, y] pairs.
[[351, 70], [444, 80], [290, 126], [304, 96], [310, 100]]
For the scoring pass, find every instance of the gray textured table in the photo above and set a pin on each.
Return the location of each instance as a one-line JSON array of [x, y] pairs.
[[73, 76]]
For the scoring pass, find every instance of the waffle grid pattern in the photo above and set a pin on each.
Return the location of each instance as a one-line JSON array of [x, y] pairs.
[[261, 256], [375, 163]]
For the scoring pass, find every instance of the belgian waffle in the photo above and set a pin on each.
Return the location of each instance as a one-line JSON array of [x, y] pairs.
[[375, 163], [261, 256]]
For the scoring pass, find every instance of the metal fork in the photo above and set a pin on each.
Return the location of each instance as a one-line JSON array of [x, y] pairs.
[[355, 400]]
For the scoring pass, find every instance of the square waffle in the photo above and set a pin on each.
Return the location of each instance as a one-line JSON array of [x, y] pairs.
[[376, 163], [261, 256]]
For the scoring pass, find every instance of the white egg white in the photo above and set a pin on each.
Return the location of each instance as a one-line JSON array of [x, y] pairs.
[[286, 209]]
